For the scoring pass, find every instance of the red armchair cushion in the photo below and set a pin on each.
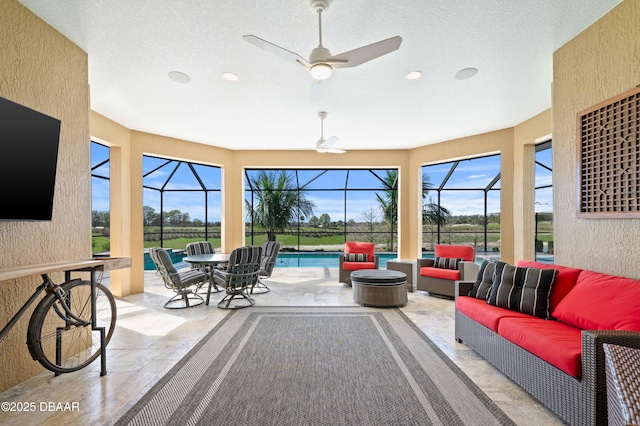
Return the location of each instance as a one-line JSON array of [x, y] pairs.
[[353, 266], [590, 304], [445, 274], [360, 247], [557, 343], [467, 253]]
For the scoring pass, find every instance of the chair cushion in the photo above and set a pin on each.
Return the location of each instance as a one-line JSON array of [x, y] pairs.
[[467, 253], [163, 256], [447, 262], [356, 257], [191, 277], [199, 247], [353, 266], [359, 247], [445, 274], [525, 290], [601, 302], [482, 287], [557, 343]]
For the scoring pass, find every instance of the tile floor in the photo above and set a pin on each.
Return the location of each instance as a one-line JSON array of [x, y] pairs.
[[149, 340]]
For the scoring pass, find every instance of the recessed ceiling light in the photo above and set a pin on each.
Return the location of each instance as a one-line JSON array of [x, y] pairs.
[[229, 76], [180, 77], [414, 75], [466, 73]]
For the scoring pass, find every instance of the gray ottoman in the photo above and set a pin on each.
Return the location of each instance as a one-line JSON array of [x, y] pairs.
[[379, 287]]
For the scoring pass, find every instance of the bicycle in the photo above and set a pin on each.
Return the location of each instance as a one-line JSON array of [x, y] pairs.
[[68, 329]]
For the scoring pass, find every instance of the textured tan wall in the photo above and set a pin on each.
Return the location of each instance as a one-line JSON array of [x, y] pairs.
[[118, 138], [525, 135], [41, 69], [600, 63]]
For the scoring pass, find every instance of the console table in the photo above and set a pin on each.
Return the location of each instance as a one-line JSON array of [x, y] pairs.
[[88, 265]]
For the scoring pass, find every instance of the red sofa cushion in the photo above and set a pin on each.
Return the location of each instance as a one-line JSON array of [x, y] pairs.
[[487, 315], [353, 266], [445, 274], [601, 302], [562, 285], [556, 343]]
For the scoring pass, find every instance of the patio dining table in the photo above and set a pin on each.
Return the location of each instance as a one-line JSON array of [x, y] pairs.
[[210, 259]]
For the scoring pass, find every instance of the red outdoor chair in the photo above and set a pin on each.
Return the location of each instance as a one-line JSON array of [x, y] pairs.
[[357, 255]]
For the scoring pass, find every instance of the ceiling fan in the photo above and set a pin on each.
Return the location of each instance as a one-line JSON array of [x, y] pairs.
[[324, 146], [321, 63]]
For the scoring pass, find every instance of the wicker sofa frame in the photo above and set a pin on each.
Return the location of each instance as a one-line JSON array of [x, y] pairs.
[[578, 402]]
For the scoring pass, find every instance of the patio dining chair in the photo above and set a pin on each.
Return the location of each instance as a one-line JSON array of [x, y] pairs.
[[270, 250], [241, 275], [184, 284], [202, 247]]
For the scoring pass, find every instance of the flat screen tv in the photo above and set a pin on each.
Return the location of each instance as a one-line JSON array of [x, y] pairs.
[[28, 159]]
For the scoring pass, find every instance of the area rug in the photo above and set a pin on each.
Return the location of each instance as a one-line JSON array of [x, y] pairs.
[[315, 366]]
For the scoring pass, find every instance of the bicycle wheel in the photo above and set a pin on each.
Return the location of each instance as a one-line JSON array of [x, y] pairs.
[[61, 344]]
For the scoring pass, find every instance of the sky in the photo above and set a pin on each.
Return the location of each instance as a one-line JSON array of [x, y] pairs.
[[476, 173]]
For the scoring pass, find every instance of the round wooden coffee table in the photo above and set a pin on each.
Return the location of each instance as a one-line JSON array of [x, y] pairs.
[[379, 287]]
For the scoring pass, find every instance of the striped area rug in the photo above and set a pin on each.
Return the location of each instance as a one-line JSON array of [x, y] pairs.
[[315, 366]]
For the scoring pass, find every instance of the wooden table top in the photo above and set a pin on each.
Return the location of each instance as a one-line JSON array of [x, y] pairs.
[[104, 264]]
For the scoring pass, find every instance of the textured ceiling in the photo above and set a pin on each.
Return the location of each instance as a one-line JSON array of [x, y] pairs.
[[133, 45]]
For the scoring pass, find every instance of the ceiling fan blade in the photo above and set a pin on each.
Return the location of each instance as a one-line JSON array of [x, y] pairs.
[[366, 53], [331, 141], [276, 50], [335, 151], [318, 89]]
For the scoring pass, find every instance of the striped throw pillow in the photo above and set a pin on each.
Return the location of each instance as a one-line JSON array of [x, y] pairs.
[[525, 290], [482, 287], [356, 257], [446, 262]]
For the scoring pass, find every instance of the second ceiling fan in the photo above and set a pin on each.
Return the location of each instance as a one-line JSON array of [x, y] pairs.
[[326, 146], [321, 63]]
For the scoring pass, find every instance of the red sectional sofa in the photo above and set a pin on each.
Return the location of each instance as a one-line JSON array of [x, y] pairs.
[[559, 360]]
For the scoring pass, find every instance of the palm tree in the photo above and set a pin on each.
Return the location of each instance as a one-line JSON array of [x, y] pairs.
[[389, 202], [432, 212], [279, 202]]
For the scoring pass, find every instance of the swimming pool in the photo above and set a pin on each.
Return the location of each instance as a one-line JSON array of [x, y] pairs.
[[324, 259]]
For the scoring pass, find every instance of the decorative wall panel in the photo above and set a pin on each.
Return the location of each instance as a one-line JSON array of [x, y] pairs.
[[609, 158]]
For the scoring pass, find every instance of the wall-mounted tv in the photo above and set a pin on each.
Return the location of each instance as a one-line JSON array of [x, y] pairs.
[[28, 160]]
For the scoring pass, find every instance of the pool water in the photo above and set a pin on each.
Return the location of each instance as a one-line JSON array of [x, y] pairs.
[[324, 260], [285, 260]]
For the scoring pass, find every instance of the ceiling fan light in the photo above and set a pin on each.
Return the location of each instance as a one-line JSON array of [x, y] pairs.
[[321, 71]]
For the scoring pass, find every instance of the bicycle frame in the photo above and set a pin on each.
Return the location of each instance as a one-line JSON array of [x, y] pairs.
[[47, 286], [34, 296]]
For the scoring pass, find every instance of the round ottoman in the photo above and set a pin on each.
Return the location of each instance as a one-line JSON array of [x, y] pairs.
[[379, 287]]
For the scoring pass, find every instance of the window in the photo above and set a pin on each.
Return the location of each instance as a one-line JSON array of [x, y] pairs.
[[544, 202], [461, 203], [182, 203], [322, 208], [100, 179]]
